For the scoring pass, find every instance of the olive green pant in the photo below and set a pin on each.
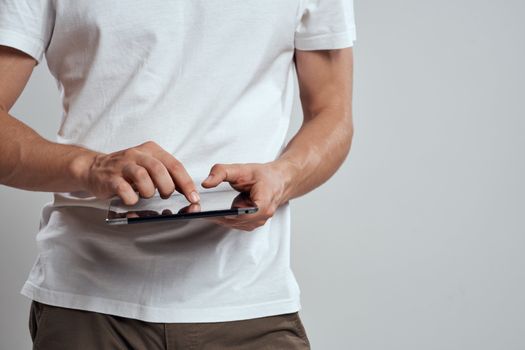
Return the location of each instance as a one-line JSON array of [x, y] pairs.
[[58, 328]]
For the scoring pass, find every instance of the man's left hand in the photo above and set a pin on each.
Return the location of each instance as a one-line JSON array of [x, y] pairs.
[[265, 182]]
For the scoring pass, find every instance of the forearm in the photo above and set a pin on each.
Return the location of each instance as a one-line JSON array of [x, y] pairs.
[[30, 162], [315, 153]]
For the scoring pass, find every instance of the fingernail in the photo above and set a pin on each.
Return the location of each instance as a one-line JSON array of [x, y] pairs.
[[195, 197], [208, 178]]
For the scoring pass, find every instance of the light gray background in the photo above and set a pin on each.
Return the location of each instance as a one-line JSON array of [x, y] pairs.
[[424, 245]]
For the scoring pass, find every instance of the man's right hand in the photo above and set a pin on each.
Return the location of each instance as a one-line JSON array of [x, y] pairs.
[[145, 168], [30, 162]]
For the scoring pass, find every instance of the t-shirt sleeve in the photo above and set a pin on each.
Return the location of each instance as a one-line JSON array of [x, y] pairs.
[[26, 25], [325, 24]]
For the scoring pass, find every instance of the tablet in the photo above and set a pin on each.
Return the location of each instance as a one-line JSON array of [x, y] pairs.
[[177, 207]]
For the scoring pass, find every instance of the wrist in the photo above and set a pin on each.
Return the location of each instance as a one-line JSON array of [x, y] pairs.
[[288, 172], [79, 167]]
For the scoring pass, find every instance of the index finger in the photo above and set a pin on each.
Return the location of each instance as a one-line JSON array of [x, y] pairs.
[[182, 180]]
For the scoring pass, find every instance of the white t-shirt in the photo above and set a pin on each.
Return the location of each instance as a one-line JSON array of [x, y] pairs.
[[210, 82]]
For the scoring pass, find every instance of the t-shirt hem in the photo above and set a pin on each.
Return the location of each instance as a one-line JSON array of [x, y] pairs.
[[326, 41], [164, 314], [31, 46]]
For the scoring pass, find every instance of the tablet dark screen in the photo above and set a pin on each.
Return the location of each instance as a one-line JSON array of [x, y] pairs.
[[212, 203]]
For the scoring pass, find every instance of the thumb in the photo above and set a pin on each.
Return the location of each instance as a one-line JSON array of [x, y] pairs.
[[220, 173]]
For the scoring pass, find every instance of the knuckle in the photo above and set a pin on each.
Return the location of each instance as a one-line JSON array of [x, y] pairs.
[[174, 160], [130, 152], [130, 200], [149, 144], [175, 165], [245, 171], [167, 190], [186, 184], [157, 167], [141, 174], [217, 168], [120, 187], [148, 192]]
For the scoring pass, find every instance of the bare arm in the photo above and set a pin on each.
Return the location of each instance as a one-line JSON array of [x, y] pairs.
[[315, 152], [28, 161], [324, 139]]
